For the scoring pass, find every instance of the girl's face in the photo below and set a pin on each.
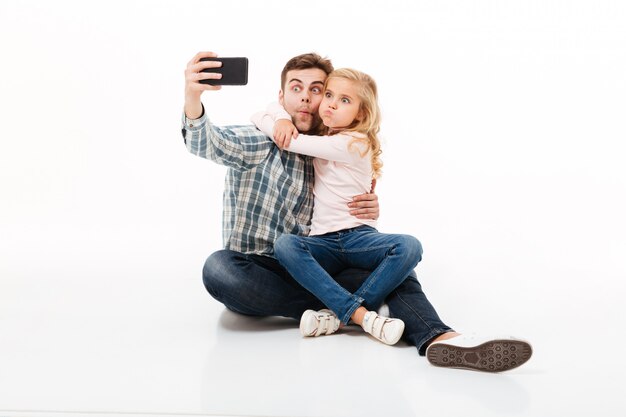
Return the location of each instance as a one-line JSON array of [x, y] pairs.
[[341, 104]]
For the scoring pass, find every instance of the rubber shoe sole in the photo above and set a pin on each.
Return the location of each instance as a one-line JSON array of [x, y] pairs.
[[492, 356]]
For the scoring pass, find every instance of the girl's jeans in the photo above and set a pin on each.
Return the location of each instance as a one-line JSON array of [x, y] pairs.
[[313, 260]]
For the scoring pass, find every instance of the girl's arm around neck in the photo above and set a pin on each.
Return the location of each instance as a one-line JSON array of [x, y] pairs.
[[333, 148]]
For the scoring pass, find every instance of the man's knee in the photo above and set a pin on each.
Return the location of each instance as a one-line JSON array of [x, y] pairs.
[[410, 284], [215, 272]]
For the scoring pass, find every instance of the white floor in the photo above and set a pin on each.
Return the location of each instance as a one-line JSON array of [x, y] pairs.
[[503, 133], [130, 331]]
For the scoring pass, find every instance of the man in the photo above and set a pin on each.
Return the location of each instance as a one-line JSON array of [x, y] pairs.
[[268, 193]]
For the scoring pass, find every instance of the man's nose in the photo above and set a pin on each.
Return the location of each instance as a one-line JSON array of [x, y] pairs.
[[306, 98]]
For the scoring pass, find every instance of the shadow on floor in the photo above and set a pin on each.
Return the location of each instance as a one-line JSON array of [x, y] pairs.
[[238, 322]]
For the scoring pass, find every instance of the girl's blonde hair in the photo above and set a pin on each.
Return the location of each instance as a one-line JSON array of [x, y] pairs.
[[369, 120]]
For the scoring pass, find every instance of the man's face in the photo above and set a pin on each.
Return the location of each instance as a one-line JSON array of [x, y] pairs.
[[301, 96]]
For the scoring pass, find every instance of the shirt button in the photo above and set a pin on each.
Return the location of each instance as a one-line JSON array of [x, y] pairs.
[[190, 124]]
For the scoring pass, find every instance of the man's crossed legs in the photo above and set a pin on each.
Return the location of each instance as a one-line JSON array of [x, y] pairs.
[[259, 286]]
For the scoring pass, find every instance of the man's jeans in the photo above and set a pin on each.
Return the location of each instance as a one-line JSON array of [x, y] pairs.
[[313, 260], [259, 286]]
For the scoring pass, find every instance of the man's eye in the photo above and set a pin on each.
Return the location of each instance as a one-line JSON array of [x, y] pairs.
[[296, 89], [316, 91]]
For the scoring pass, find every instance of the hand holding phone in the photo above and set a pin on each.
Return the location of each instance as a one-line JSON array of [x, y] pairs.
[[234, 71]]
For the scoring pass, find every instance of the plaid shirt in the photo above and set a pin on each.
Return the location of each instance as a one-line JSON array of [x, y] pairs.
[[267, 192]]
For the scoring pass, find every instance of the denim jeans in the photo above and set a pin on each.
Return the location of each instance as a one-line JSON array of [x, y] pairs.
[[313, 260], [259, 286]]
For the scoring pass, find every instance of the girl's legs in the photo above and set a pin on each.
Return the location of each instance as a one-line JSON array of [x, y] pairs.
[[390, 257], [311, 260]]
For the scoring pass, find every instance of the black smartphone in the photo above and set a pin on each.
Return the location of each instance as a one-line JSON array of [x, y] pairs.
[[234, 71]]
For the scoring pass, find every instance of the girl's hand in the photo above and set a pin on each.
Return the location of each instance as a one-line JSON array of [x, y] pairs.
[[284, 130]]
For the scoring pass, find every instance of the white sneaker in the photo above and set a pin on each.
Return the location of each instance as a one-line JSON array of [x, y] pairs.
[[317, 323], [480, 353], [385, 329]]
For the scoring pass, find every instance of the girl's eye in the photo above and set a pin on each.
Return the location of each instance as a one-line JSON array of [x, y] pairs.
[[327, 95], [345, 100]]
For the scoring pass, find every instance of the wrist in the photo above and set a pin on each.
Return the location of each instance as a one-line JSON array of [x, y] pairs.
[[192, 98], [193, 109]]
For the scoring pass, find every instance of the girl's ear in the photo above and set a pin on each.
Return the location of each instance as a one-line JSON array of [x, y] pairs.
[[360, 115]]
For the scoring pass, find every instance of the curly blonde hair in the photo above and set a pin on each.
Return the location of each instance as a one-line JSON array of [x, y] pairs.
[[369, 123]]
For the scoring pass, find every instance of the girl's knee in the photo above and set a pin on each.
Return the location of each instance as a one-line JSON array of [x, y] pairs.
[[285, 243], [412, 246]]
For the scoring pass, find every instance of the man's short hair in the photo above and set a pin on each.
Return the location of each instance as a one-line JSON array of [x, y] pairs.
[[305, 61]]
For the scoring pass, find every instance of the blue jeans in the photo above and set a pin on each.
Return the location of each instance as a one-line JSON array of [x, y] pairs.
[[259, 286], [312, 260]]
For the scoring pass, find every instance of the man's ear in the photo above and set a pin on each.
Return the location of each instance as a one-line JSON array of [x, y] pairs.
[[281, 97]]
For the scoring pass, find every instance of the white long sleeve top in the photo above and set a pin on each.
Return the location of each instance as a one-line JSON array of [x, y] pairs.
[[340, 171]]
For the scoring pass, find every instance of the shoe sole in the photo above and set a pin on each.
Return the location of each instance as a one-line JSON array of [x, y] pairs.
[[303, 330], [492, 356]]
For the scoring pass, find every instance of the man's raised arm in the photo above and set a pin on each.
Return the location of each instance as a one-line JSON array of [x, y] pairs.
[[193, 87], [240, 147]]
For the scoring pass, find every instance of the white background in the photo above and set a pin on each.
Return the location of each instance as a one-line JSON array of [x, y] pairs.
[[503, 127]]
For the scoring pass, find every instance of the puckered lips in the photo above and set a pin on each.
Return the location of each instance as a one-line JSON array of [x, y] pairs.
[[304, 112]]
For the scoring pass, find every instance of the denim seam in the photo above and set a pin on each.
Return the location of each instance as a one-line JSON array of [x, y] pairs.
[[314, 243], [368, 249], [433, 332], [413, 310], [356, 302], [418, 315], [346, 317], [336, 286], [372, 278]]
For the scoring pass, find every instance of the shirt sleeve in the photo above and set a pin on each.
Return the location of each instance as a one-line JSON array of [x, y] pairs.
[[333, 148], [277, 111], [339, 147], [264, 120], [238, 147]]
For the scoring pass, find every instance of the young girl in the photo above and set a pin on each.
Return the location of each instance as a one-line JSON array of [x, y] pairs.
[[346, 161]]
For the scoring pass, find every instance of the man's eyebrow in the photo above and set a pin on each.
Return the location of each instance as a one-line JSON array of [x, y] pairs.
[[300, 81]]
